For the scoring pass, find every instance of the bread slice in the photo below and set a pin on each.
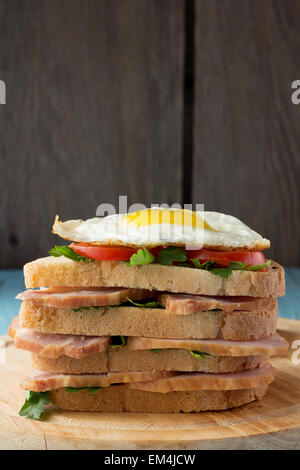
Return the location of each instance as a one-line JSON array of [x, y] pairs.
[[50, 272], [123, 359], [120, 398], [150, 322]]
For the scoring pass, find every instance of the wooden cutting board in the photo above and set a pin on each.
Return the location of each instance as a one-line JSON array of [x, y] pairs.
[[271, 423]]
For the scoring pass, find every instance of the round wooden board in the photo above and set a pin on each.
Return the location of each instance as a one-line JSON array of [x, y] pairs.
[[271, 423]]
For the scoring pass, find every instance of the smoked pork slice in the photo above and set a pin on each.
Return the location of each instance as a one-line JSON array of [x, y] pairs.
[[206, 381], [272, 346], [42, 381], [51, 345], [77, 297], [186, 304], [55, 345]]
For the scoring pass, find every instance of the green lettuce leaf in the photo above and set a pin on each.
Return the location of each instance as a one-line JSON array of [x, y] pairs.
[[34, 405], [66, 250]]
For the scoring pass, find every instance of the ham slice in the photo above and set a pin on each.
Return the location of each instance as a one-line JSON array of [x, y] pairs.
[[153, 381], [272, 346], [56, 345], [42, 381], [68, 297], [186, 304], [202, 381], [77, 346]]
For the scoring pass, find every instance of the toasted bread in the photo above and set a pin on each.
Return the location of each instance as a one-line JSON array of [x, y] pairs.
[[119, 398], [50, 272], [150, 322], [122, 359]]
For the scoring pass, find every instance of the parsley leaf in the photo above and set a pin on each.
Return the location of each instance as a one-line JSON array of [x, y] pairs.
[[65, 250], [258, 267], [91, 390], [166, 256], [143, 256], [237, 265], [151, 304], [199, 355], [161, 349], [225, 272], [118, 341], [34, 405], [234, 265], [206, 265], [84, 308]]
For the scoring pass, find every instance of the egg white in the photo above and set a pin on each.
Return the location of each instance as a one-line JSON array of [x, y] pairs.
[[225, 233]]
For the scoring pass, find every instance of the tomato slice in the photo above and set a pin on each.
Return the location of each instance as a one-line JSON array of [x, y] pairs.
[[108, 253], [223, 258], [104, 253], [119, 253]]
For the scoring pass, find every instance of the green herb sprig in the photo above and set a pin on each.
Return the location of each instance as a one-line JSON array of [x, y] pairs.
[[118, 341], [91, 390], [34, 405], [199, 355], [68, 252], [80, 309], [143, 256], [151, 304]]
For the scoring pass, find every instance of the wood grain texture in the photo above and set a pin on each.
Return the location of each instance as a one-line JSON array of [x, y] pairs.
[[94, 104], [246, 131], [272, 423]]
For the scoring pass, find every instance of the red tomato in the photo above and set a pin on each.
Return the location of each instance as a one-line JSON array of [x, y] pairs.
[[108, 253], [119, 253], [104, 253], [223, 258]]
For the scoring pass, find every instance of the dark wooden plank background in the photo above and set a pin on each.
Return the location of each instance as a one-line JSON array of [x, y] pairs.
[[160, 100], [94, 110], [246, 130]]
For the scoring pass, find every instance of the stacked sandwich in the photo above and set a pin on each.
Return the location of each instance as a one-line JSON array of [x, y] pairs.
[[161, 311]]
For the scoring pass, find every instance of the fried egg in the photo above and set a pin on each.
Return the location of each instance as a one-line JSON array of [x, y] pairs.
[[160, 226]]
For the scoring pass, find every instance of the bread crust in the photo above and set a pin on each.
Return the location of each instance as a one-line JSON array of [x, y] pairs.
[[123, 359], [150, 322], [119, 398], [51, 271]]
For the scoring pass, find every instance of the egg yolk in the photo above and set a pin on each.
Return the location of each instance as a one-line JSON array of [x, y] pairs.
[[182, 217]]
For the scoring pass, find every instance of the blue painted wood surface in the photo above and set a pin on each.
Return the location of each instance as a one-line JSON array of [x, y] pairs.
[[12, 282]]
